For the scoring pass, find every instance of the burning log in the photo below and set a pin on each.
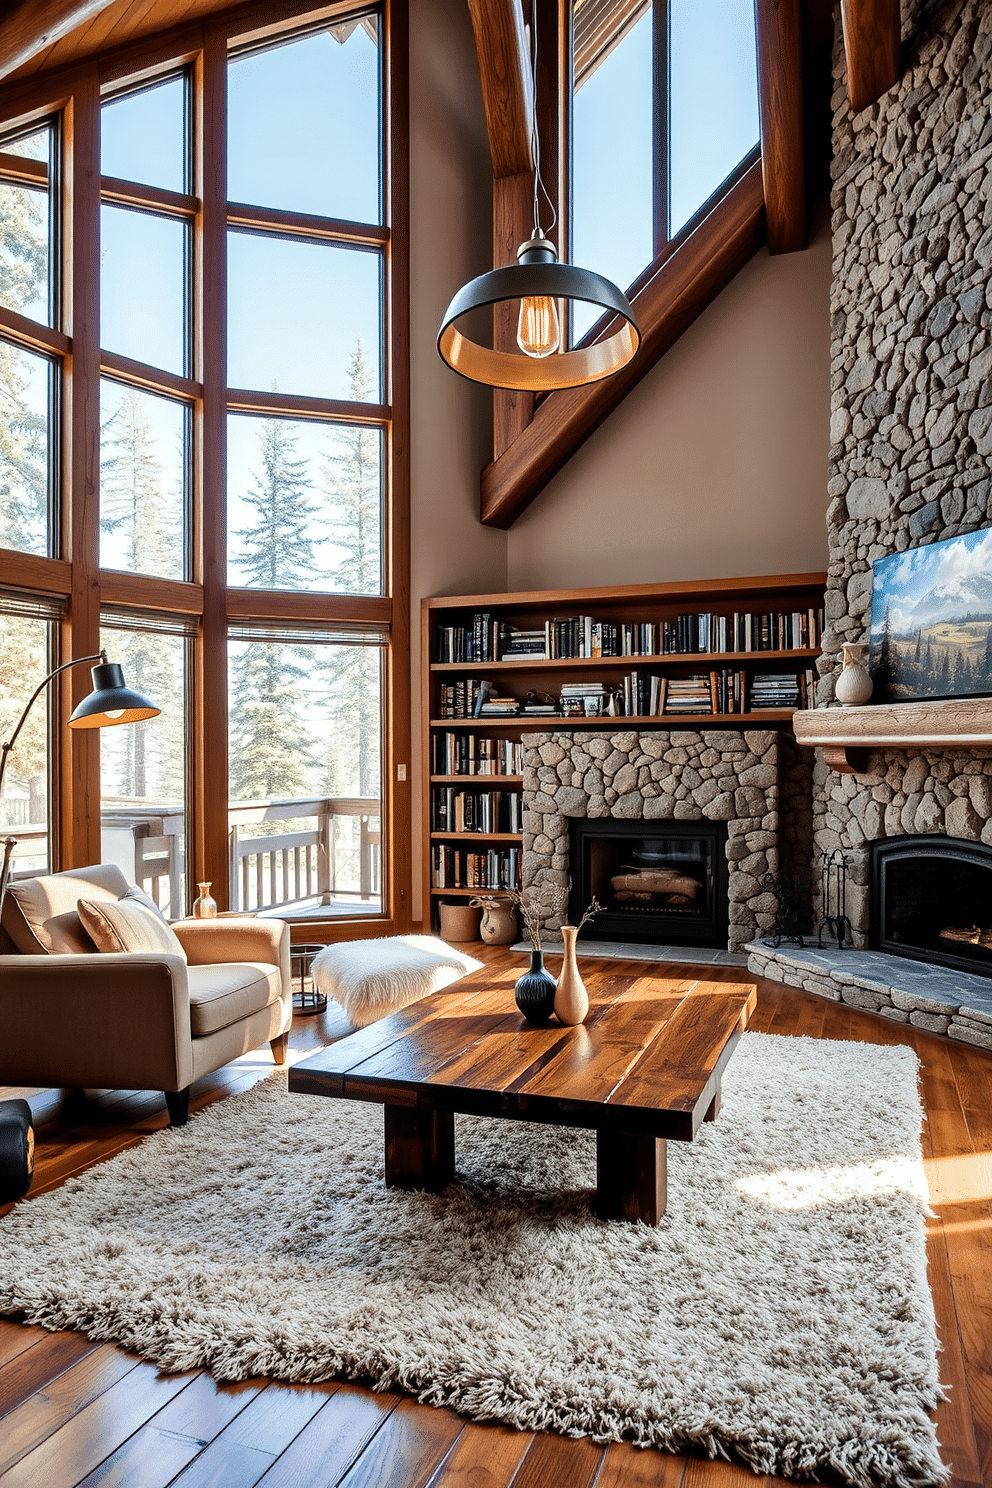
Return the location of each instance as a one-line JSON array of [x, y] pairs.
[[968, 935]]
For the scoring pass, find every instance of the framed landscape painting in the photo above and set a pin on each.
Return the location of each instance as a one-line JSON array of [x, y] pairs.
[[931, 621]]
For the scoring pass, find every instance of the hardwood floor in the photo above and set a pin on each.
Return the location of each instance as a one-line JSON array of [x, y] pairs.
[[75, 1412]]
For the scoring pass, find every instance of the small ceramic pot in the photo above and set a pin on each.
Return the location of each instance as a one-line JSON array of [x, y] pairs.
[[499, 921], [854, 686]]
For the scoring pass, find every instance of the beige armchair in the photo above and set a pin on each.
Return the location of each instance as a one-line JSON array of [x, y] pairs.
[[71, 1016]]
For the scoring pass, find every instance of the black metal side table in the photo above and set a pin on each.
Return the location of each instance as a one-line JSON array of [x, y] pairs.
[[301, 961]]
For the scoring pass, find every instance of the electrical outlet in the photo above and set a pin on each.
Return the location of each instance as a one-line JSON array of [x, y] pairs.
[[401, 772]]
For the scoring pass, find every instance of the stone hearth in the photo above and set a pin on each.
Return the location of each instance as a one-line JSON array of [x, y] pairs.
[[716, 775], [934, 998]]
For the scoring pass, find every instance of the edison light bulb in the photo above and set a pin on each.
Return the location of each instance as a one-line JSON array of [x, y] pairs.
[[538, 330]]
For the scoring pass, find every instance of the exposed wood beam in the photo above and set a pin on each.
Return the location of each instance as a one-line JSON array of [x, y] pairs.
[[780, 88], [507, 88], [31, 25], [684, 283], [872, 35], [513, 215]]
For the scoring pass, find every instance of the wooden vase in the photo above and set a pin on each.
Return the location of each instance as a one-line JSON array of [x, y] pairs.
[[571, 997]]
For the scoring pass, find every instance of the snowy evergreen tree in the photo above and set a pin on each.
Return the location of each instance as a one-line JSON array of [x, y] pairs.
[[278, 547], [146, 760], [270, 755], [352, 477], [23, 421]]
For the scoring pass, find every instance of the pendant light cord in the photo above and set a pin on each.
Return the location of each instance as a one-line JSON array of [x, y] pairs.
[[535, 138]]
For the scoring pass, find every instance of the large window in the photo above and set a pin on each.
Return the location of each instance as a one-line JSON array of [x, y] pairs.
[[664, 112], [28, 633], [198, 397]]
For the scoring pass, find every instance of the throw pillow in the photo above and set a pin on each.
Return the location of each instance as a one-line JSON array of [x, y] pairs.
[[128, 926]]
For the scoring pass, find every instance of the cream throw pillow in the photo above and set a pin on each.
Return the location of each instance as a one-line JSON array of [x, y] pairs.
[[128, 925]]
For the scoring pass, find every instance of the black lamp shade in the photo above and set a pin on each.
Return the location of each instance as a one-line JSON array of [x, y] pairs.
[[553, 281], [111, 702]]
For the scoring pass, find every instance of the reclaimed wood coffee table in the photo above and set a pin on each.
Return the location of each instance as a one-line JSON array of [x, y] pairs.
[[645, 1067]]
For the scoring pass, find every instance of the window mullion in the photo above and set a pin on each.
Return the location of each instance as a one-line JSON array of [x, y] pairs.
[[662, 124]]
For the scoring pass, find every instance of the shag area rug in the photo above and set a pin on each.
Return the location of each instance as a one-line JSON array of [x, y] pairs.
[[779, 1313]]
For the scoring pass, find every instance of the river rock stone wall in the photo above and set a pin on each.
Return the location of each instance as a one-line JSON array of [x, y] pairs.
[[911, 380], [720, 775]]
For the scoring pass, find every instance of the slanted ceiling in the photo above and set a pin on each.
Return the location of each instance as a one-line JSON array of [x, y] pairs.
[[534, 438]]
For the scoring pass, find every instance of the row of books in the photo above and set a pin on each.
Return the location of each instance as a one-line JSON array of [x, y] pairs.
[[641, 695], [724, 690], [457, 868], [582, 636], [455, 809], [463, 753]]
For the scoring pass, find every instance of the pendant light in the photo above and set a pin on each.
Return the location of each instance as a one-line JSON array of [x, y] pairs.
[[539, 282]]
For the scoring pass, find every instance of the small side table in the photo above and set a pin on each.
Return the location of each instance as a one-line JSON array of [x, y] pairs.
[[300, 961]]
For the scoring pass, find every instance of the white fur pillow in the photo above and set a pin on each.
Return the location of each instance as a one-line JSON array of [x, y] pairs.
[[373, 978]]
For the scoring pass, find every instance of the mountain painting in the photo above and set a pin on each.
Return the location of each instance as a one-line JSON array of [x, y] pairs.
[[931, 621]]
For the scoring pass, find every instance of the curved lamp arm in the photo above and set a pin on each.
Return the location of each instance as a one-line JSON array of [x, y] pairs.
[[6, 748]]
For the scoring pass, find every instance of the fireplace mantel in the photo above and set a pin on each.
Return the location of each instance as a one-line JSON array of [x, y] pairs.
[[847, 734]]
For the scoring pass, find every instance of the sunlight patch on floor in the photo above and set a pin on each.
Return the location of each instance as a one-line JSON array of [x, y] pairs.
[[809, 1188]]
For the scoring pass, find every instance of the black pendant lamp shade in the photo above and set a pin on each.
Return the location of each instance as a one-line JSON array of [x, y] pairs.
[[538, 276], [111, 701]]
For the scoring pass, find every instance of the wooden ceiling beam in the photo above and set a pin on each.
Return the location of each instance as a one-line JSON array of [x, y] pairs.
[[28, 26], [872, 37], [683, 284], [780, 91], [507, 85]]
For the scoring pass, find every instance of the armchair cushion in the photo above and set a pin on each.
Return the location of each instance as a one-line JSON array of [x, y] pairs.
[[223, 994], [40, 915], [127, 925]]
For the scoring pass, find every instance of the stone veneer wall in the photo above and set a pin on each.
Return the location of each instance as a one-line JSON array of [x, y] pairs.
[[911, 380], [719, 775]]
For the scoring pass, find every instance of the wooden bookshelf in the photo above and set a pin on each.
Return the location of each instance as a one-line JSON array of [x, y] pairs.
[[639, 605]]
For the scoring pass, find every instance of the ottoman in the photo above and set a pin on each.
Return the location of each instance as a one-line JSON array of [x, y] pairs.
[[16, 1150], [373, 978]]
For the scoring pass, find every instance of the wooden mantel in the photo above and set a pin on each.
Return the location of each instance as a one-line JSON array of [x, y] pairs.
[[847, 734]]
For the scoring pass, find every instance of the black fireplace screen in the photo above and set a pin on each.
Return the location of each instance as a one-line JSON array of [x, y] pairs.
[[664, 883], [932, 901]]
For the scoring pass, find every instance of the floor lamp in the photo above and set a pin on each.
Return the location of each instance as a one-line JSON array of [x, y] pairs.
[[111, 702]]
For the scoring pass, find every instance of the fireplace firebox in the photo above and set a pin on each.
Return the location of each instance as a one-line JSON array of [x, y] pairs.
[[931, 900], [663, 883]]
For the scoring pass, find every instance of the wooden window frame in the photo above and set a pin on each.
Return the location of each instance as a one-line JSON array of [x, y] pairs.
[[203, 50]]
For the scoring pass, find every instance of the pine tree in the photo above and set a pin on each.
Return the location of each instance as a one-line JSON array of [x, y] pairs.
[[23, 421], [23, 661], [986, 664], [278, 547], [146, 760], [883, 674], [269, 755], [353, 485]]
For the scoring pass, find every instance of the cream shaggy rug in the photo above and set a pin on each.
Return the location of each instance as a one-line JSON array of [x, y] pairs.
[[779, 1313]]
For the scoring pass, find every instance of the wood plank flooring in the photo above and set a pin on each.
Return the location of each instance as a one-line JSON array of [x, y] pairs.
[[74, 1412]]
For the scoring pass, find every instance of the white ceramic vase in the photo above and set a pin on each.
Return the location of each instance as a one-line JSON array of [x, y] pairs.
[[854, 686]]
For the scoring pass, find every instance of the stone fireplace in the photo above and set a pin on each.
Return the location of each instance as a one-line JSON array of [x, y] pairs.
[[657, 885], [931, 900], [911, 442], [653, 779]]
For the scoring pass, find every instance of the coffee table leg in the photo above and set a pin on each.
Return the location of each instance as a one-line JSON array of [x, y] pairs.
[[713, 1109], [631, 1176], [420, 1147]]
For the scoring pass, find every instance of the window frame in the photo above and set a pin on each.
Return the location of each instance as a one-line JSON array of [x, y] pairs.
[[73, 98]]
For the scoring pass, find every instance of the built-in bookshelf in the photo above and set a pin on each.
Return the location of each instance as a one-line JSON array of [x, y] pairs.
[[499, 666]]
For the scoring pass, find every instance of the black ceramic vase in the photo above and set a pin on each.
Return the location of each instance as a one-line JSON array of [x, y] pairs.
[[535, 991]]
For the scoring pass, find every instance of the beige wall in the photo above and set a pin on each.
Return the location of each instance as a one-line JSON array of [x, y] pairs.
[[450, 242], [715, 466]]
